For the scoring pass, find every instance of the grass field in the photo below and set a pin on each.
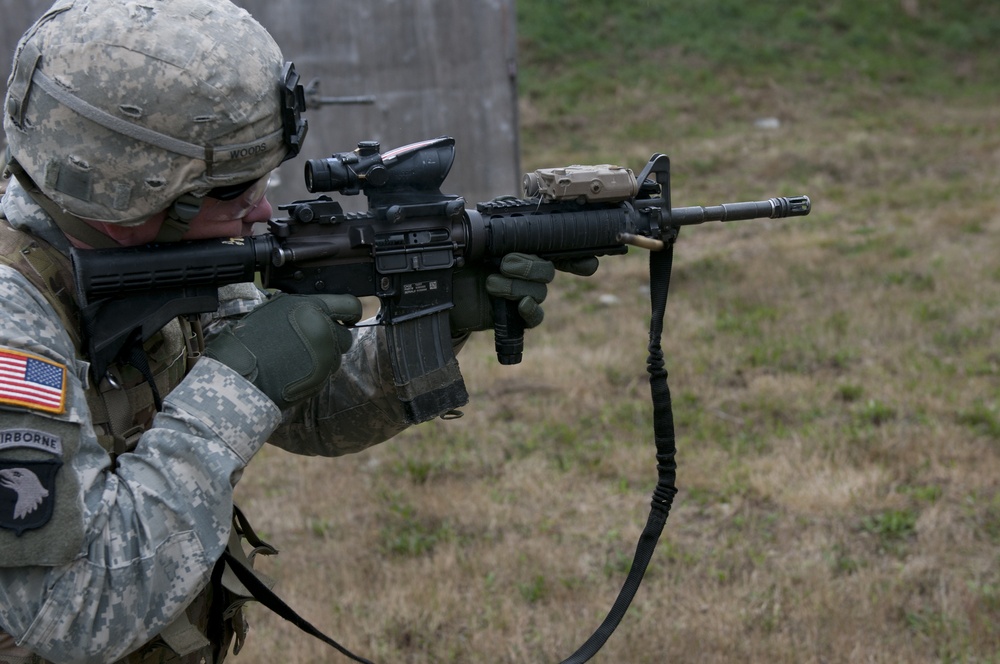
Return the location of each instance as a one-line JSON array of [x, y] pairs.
[[836, 379]]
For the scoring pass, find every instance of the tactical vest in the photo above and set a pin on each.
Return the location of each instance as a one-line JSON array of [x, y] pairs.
[[122, 408]]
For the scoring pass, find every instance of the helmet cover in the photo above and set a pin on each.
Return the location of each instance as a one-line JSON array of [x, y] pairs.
[[117, 108]]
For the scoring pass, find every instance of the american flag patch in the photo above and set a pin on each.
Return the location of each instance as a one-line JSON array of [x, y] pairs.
[[32, 382]]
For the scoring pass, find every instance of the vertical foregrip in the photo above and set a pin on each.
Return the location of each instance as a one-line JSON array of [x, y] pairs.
[[508, 331]]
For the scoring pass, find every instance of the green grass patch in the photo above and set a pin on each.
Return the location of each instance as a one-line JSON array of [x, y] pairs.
[[716, 62]]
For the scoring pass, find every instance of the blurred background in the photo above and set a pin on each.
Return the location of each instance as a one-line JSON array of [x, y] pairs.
[[835, 378]]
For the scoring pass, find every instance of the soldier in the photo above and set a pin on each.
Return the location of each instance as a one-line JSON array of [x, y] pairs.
[[129, 123]]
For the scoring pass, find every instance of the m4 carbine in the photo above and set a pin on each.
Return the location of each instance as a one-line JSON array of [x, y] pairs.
[[403, 250]]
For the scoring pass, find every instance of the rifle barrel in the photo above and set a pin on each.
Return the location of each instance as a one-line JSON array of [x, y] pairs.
[[773, 208]]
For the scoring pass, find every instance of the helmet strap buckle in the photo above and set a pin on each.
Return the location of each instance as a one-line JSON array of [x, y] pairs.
[[178, 220]]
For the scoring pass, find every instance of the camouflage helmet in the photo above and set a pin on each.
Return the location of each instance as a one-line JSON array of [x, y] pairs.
[[116, 109]]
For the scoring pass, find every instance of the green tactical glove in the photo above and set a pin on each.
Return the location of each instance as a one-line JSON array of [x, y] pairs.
[[289, 346], [522, 278]]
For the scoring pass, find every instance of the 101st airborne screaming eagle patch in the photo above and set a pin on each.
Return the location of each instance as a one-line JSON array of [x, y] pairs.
[[28, 484]]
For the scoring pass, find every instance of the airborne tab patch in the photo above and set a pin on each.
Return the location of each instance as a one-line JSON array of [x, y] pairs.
[[31, 381]]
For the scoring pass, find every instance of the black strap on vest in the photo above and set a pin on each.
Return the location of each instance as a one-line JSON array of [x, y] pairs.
[[136, 356], [266, 596]]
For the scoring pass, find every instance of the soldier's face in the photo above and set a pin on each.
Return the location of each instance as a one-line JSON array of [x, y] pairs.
[[217, 218], [231, 218]]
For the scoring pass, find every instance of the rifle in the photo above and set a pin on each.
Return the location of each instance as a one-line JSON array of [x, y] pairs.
[[403, 250]]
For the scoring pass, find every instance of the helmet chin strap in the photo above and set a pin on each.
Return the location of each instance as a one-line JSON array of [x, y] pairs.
[[178, 219]]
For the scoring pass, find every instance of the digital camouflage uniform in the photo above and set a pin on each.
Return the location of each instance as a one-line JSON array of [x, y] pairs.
[[141, 536], [113, 514]]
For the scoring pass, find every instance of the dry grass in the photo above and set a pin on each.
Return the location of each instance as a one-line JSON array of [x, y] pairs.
[[836, 385]]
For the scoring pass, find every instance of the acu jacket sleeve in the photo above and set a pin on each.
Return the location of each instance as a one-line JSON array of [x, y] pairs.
[[95, 560], [359, 406]]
